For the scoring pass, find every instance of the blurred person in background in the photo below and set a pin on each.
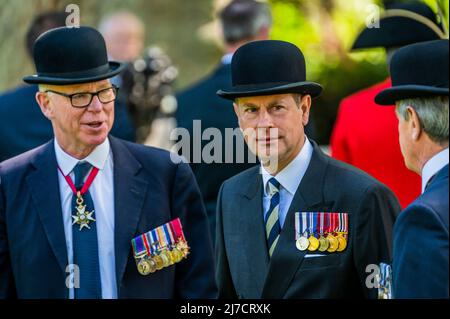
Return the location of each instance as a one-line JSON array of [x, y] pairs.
[[22, 124], [241, 21], [146, 83], [366, 135]]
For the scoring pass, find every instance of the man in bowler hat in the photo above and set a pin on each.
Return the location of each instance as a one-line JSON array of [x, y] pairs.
[[265, 213], [420, 93], [22, 124], [70, 208], [366, 135]]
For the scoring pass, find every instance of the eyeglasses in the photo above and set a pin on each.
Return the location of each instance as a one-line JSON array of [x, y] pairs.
[[84, 99]]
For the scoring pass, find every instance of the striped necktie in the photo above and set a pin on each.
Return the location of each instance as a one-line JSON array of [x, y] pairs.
[[271, 220]]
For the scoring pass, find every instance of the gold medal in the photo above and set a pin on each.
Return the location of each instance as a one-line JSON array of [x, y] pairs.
[[152, 265], [158, 262], [313, 243], [183, 247], [334, 244], [178, 255], [342, 242], [143, 267], [165, 259], [323, 243], [170, 256], [302, 243]]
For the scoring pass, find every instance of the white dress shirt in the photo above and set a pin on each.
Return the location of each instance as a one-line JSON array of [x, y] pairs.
[[227, 58], [102, 193], [289, 179], [434, 165]]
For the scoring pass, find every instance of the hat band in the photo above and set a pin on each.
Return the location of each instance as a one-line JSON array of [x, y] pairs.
[[416, 17], [76, 74]]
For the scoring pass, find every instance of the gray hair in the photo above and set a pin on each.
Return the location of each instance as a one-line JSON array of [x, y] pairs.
[[432, 113], [243, 19]]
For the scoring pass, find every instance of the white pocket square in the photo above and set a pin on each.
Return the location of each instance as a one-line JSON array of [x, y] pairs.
[[314, 255]]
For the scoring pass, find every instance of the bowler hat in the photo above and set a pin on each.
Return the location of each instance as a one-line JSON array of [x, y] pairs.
[[70, 56], [417, 70], [401, 24], [268, 67]]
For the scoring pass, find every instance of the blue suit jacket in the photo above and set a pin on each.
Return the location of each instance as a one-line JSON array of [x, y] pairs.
[[24, 127], [421, 244], [150, 190]]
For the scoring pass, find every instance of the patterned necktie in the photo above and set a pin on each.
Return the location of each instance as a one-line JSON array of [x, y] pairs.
[[271, 220], [85, 244]]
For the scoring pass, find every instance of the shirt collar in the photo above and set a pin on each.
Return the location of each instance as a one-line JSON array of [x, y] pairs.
[[291, 176], [434, 165], [226, 59], [97, 158]]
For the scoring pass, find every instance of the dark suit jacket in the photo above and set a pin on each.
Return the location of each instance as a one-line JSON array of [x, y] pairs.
[[24, 127], [150, 190], [420, 266], [244, 269]]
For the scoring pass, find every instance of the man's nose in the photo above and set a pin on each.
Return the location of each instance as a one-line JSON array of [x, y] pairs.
[[96, 105], [265, 119]]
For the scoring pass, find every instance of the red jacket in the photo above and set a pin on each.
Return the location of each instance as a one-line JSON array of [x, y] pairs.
[[366, 135]]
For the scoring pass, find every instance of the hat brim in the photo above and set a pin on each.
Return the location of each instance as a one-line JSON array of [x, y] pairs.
[[310, 88], [391, 95], [114, 69]]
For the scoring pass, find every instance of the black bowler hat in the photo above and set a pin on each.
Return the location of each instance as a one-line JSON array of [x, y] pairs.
[[269, 67], [401, 24], [417, 70], [71, 56]]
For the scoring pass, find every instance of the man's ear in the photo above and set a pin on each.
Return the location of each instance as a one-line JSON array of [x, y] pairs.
[[414, 125], [305, 105], [44, 103], [236, 110]]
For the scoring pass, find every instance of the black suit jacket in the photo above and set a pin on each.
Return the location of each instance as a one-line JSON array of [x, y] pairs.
[[150, 190], [244, 269]]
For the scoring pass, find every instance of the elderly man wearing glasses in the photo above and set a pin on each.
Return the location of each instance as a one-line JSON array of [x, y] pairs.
[[89, 216]]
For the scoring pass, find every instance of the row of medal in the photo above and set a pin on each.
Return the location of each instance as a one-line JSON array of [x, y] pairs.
[[326, 232], [160, 247], [384, 280]]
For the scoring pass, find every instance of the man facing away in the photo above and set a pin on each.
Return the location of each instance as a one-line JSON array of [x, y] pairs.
[[420, 92]]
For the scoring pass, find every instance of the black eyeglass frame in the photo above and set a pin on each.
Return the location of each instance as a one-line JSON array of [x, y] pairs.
[[92, 94]]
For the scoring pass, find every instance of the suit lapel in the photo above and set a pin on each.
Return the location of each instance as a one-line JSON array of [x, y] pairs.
[[253, 236], [130, 191], [286, 259], [44, 188]]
